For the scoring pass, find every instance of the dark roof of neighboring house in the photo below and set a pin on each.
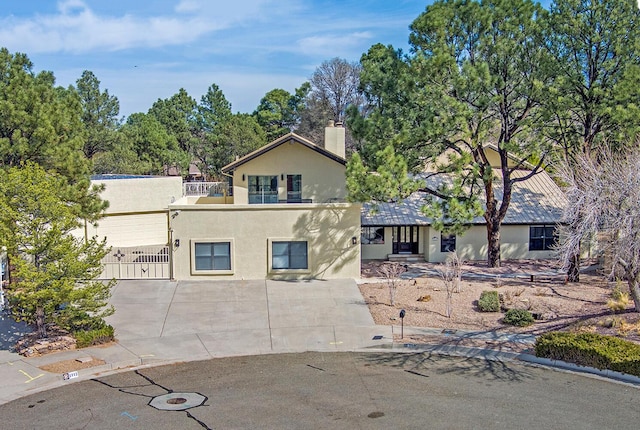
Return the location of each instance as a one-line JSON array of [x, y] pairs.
[[282, 140], [538, 200]]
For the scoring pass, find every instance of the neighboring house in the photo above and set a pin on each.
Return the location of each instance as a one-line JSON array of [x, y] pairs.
[[401, 230], [287, 217]]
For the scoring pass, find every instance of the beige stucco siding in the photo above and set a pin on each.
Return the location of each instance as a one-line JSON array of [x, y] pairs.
[[140, 194], [379, 251], [323, 179], [132, 229], [328, 230], [472, 245]]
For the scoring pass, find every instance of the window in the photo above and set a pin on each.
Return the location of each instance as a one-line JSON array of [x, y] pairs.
[[372, 235], [294, 188], [213, 257], [263, 189], [542, 237], [289, 255], [447, 242]]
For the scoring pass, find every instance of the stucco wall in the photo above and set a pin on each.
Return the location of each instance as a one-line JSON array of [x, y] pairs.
[[140, 194], [323, 179], [328, 229], [137, 212]]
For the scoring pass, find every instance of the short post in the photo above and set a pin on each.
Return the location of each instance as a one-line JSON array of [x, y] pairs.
[[402, 313]]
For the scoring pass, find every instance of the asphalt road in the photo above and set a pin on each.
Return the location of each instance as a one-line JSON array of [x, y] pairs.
[[333, 391]]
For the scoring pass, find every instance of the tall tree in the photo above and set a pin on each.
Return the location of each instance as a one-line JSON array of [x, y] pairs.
[[595, 96], [596, 90], [279, 111], [336, 82], [54, 272], [475, 77], [42, 123], [208, 146], [99, 114], [155, 147], [178, 115]]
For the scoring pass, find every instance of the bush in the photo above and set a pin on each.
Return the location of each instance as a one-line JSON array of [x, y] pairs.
[[94, 337], [591, 349], [518, 317], [489, 301], [619, 299]]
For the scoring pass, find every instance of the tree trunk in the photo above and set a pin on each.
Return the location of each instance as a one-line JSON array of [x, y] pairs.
[[573, 273], [634, 289], [40, 324], [493, 241]]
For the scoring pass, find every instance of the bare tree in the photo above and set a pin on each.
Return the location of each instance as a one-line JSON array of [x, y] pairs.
[[391, 271], [336, 81], [603, 196], [451, 276]]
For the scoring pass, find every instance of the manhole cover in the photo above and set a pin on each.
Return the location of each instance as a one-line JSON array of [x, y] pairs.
[[177, 401]]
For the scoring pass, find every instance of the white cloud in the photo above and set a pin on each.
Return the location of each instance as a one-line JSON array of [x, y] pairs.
[[332, 45], [77, 29]]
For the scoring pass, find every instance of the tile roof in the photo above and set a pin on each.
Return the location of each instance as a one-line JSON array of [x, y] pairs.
[[537, 200]]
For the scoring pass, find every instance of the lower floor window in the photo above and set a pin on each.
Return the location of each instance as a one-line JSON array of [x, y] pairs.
[[372, 235], [447, 242], [213, 256], [289, 255], [542, 237]]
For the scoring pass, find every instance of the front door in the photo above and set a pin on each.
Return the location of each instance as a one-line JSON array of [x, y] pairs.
[[405, 239]]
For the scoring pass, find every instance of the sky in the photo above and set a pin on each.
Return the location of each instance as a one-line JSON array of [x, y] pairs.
[[142, 51]]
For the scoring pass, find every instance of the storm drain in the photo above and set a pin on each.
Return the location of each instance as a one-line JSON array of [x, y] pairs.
[[177, 401]]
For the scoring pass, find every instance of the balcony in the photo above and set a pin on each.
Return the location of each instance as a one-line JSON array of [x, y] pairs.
[[210, 189]]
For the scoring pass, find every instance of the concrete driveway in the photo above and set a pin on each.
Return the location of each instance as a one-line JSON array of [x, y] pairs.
[[202, 319]]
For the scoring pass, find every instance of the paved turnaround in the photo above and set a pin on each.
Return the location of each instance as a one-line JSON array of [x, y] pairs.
[[160, 322]]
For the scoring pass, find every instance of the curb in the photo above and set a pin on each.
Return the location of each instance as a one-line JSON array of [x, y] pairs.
[[493, 355]]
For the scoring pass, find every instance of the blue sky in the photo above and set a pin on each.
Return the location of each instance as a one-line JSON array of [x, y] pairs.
[[145, 50]]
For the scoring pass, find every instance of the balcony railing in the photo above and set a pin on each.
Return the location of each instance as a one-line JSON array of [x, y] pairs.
[[212, 189]]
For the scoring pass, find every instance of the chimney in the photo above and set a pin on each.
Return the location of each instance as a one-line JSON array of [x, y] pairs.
[[334, 138]]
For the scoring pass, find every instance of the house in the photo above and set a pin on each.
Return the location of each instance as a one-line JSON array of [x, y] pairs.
[[286, 217], [401, 230]]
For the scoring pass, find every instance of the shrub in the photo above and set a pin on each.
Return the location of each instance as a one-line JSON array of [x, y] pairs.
[[94, 337], [619, 299], [518, 317], [489, 301], [591, 349]]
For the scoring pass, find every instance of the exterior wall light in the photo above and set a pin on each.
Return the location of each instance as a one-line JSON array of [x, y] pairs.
[[354, 240], [176, 243]]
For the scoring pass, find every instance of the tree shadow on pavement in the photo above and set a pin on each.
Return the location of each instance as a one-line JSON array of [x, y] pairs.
[[425, 363], [11, 331]]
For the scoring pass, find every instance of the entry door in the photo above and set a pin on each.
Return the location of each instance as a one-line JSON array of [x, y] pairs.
[[405, 239]]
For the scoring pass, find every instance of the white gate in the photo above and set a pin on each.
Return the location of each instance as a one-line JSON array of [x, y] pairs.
[[140, 262]]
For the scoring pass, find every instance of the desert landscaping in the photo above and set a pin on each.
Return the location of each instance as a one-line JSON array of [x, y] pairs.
[[555, 304]]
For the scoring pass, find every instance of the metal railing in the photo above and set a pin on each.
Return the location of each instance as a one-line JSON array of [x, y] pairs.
[[205, 189]]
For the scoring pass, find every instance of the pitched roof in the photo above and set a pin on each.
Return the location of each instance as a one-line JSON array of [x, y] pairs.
[[538, 200], [280, 141]]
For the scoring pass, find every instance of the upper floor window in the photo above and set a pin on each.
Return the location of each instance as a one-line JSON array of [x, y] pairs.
[[263, 189], [542, 237]]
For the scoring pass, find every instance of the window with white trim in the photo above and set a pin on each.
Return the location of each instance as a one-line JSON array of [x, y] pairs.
[[289, 255], [212, 257]]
